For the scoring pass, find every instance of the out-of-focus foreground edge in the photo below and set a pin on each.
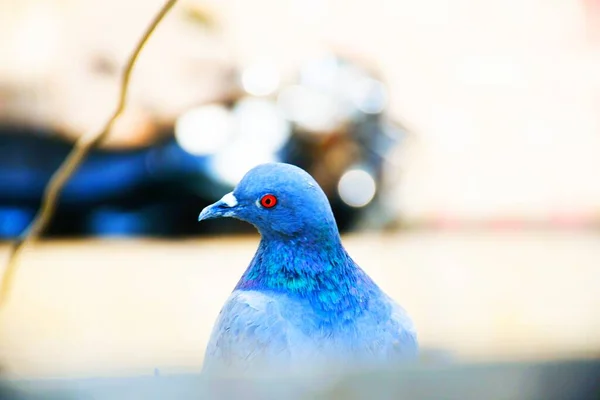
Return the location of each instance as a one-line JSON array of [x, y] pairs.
[[575, 379]]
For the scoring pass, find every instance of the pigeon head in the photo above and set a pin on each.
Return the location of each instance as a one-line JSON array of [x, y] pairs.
[[281, 201]]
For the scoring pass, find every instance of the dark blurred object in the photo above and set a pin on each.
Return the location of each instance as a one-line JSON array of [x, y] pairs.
[[148, 191], [569, 380], [330, 122]]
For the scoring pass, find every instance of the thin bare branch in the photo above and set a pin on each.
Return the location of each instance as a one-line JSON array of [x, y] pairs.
[[82, 147]]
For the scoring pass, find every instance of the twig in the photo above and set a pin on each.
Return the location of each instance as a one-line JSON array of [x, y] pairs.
[[82, 147]]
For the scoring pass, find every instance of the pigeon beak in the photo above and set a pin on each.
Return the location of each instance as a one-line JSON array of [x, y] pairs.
[[222, 208]]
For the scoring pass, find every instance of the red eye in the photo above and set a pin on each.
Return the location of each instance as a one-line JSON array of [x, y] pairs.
[[268, 201]]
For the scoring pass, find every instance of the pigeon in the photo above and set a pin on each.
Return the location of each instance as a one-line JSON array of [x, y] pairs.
[[302, 302]]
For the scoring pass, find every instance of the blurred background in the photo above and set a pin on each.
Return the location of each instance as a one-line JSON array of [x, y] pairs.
[[458, 142]]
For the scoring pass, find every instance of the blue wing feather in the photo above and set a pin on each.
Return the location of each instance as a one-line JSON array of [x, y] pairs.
[[249, 331], [256, 330]]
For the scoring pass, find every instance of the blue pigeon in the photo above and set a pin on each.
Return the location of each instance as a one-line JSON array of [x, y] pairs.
[[302, 301]]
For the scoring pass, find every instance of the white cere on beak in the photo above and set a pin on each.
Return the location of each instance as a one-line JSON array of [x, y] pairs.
[[229, 199]]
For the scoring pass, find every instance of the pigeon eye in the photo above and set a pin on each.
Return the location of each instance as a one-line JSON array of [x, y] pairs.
[[268, 201]]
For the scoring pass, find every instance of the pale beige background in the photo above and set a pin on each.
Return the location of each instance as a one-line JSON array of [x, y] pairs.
[[502, 96], [113, 307]]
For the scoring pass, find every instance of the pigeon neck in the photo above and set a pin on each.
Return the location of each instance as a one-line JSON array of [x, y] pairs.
[[321, 272]]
